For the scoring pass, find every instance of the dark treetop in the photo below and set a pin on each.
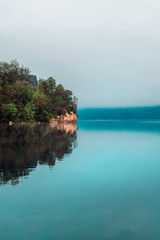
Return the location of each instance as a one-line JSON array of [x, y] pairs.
[[23, 100]]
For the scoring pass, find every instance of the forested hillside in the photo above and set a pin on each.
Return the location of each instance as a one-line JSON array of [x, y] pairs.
[[21, 101]]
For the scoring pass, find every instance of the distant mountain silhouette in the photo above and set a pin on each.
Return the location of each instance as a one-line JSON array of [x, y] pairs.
[[119, 113]]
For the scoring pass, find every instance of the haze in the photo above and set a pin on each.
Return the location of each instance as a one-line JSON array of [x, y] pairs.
[[107, 52]]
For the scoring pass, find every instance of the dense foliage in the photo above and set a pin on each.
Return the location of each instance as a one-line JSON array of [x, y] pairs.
[[21, 101]]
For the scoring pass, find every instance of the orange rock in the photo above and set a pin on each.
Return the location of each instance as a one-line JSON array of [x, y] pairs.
[[67, 118]]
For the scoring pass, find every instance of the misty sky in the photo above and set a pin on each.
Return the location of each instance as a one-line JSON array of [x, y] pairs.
[[106, 51]]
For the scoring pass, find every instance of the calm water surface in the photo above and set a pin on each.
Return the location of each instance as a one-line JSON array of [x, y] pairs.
[[101, 182]]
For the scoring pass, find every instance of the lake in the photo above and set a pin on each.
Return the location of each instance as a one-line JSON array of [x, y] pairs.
[[99, 182]]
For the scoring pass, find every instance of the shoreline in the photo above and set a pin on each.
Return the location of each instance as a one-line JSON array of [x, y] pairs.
[[67, 118], [67, 127]]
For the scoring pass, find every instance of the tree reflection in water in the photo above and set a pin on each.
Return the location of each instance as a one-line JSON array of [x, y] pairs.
[[22, 147]]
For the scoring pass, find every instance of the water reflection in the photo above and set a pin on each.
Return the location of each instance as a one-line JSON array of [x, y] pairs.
[[22, 147], [152, 126]]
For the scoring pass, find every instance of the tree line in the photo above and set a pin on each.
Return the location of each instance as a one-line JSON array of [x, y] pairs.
[[21, 101]]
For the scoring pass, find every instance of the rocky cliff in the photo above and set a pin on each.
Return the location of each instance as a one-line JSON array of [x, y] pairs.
[[67, 118]]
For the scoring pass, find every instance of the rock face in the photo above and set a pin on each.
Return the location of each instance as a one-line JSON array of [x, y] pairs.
[[67, 118]]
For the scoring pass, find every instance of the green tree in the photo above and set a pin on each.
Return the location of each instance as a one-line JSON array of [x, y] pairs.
[[11, 72], [21, 101]]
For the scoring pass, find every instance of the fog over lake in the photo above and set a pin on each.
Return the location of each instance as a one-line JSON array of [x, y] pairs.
[[99, 178], [106, 52]]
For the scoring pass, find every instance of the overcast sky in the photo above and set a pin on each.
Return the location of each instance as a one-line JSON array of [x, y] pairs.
[[106, 51]]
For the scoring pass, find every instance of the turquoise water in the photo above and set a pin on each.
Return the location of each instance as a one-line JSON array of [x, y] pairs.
[[101, 182]]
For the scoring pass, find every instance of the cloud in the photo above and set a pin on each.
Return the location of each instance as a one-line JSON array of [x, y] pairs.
[[106, 51]]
